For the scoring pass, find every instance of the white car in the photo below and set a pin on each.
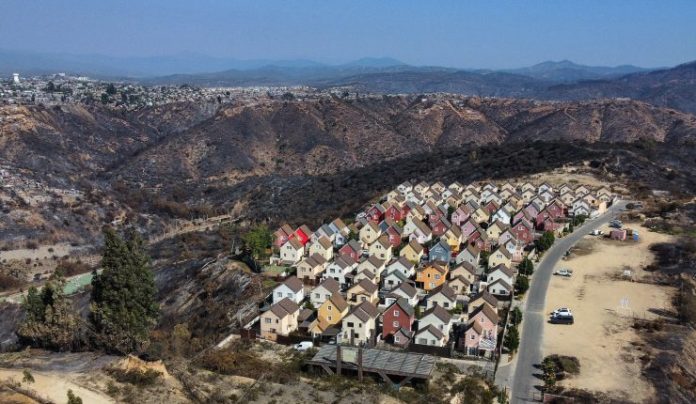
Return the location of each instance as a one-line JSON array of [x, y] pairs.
[[564, 272], [304, 345], [563, 311]]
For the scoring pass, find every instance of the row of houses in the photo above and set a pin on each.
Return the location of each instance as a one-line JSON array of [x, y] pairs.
[[427, 265]]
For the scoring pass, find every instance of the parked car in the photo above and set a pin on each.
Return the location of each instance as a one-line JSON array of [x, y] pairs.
[[304, 345], [563, 311], [562, 320], [564, 272], [597, 232]]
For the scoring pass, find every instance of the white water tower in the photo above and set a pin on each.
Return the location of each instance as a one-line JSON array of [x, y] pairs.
[[15, 78]]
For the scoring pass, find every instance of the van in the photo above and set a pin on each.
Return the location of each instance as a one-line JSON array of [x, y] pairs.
[[304, 345]]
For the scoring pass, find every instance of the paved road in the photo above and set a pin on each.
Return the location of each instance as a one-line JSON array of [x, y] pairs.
[[523, 382]]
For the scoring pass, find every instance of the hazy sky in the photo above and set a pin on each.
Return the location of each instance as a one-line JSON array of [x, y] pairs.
[[460, 33]]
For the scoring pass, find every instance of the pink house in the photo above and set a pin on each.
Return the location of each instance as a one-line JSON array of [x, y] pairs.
[[460, 216], [481, 332], [468, 229]]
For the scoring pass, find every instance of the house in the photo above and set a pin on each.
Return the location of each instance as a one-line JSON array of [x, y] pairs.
[[404, 187], [453, 237], [431, 276], [503, 272], [439, 226], [480, 239], [282, 235], [412, 251], [374, 265], [322, 246], [501, 256], [581, 207], [443, 296], [363, 291], [375, 213], [323, 231], [487, 320], [460, 285], [340, 269], [421, 187], [430, 336], [341, 232], [394, 278], [503, 215], [437, 317], [381, 248], [330, 313], [292, 251], [280, 319], [465, 270], [405, 290], [481, 299], [402, 265], [468, 228], [292, 289], [480, 215], [500, 288], [323, 291], [358, 327], [460, 215], [393, 211], [421, 232], [440, 252], [394, 232], [523, 231], [470, 255], [310, 268], [303, 234], [477, 340], [496, 229], [369, 233], [365, 274], [351, 249], [399, 315]]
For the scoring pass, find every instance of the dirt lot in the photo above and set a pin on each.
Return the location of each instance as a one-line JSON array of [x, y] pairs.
[[602, 337]]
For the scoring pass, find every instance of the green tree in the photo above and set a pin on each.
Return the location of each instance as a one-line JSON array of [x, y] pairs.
[[516, 316], [27, 376], [124, 307], [111, 89], [105, 98], [511, 342], [51, 321], [526, 267], [73, 399], [258, 239], [545, 241], [521, 284]]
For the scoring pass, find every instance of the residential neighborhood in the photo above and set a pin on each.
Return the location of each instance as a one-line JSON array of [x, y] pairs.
[[427, 267]]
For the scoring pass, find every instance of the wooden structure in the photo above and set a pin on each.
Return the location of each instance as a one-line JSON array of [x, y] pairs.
[[395, 368]]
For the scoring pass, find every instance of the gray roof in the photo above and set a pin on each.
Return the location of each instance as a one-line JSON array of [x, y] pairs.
[[378, 360]]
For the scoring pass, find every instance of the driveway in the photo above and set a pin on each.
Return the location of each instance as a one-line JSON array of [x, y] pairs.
[[523, 388]]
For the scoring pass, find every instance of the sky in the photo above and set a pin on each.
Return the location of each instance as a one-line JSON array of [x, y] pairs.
[[466, 34]]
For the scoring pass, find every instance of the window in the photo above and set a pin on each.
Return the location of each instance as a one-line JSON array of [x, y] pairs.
[[279, 294], [330, 318], [273, 330], [397, 339], [329, 307], [317, 295], [473, 336], [437, 277], [396, 313], [326, 296], [350, 325], [395, 323], [432, 342], [268, 321], [423, 341], [359, 325], [277, 321], [446, 305], [290, 295]]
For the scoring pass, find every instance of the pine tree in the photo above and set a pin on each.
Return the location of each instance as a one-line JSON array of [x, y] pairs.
[[512, 340], [124, 306]]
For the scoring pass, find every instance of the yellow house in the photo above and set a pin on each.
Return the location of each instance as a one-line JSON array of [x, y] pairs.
[[369, 233], [330, 312], [466, 271], [453, 237], [495, 230], [431, 276], [280, 319], [412, 251], [500, 256], [363, 291], [480, 215]]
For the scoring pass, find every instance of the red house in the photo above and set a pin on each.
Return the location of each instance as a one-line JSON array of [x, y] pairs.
[[491, 207], [394, 236], [303, 234], [523, 232], [556, 209], [393, 212], [400, 315], [351, 249], [439, 226], [375, 213], [282, 235]]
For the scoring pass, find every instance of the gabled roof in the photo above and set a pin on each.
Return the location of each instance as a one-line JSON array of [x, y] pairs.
[[398, 274], [403, 261], [294, 243], [407, 288], [306, 230], [436, 266], [403, 305], [364, 311], [487, 311], [331, 285], [445, 290], [439, 312], [284, 308], [294, 284], [339, 223], [344, 261], [383, 241], [287, 229], [506, 285], [468, 267], [354, 245], [315, 260], [504, 269], [366, 285], [338, 301], [324, 242], [375, 262], [460, 279], [432, 330], [417, 248], [476, 326], [505, 252], [421, 226], [486, 297]]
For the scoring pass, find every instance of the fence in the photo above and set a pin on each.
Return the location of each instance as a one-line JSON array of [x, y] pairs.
[[444, 351]]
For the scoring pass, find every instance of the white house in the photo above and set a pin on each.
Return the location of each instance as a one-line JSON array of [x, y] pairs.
[[292, 251], [323, 291], [359, 325], [292, 288]]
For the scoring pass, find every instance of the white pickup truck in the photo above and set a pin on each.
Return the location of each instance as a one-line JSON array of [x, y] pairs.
[[564, 272]]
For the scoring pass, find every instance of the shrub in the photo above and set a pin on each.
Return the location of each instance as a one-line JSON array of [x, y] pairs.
[[136, 377]]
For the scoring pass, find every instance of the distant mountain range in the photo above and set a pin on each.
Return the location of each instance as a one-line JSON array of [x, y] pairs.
[[562, 80]]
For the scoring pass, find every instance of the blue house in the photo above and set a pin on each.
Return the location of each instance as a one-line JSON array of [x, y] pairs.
[[440, 252]]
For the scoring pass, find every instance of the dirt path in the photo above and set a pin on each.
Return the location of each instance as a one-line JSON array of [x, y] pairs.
[[605, 305], [55, 386]]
